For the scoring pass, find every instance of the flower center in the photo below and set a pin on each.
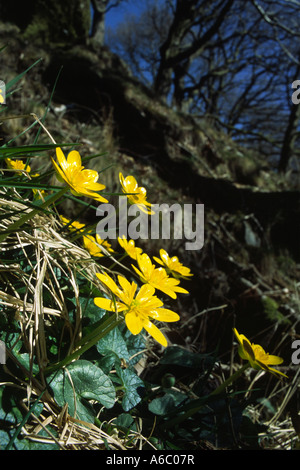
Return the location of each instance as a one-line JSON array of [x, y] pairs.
[[134, 304], [135, 308]]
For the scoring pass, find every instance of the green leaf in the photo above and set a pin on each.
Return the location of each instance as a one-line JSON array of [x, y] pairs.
[[22, 150], [124, 420], [106, 362], [135, 345], [162, 405], [113, 342], [90, 310], [13, 82], [182, 357], [133, 387], [167, 403], [81, 382]]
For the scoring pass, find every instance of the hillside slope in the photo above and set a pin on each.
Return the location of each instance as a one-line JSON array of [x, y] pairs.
[[247, 273]]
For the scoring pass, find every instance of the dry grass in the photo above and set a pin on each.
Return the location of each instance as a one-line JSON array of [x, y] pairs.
[[50, 253]]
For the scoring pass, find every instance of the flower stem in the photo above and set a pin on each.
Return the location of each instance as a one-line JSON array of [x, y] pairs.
[[230, 379], [87, 342]]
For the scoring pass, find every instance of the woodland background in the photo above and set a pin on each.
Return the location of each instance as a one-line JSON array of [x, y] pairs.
[[193, 97]]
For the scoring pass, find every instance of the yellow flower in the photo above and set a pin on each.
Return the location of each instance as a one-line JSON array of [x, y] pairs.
[[17, 165], [129, 247], [172, 265], [1, 97], [135, 194], [157, 277], [81, 181], [74, 226], [92, 245], [37, 192], [256, 355], [139, 309]]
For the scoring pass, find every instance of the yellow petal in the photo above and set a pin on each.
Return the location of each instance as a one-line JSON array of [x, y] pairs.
[[238, 336], [145, 264], [144, 209], [133, 323], [121, 178], [109, 282], [155, 333], [60, 174], [274, 360], [91, 245], [61, 158], [275, 371], [74, 160], [105, 304], [167, 291], [130, 289], [165, 315], [93, 186], [248, 349], [145, 292], [92, 194], [164, 255], [90, 176], [139, 273], [159, 261], [130, 184]]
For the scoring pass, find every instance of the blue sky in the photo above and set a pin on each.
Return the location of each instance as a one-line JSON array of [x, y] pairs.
[[116, 15]]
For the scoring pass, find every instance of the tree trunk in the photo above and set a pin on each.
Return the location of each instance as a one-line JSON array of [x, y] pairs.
[[288, 144], [172, 54], [98, 25]]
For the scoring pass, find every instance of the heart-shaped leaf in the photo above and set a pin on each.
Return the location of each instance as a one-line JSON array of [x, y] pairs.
[[82, 381]]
